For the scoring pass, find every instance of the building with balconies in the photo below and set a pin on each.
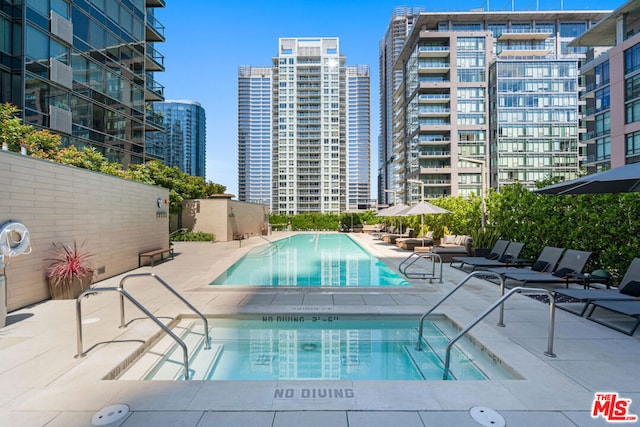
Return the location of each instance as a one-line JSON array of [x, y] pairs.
[[498, 89], [85, 71], [320, 137], [611, 96]]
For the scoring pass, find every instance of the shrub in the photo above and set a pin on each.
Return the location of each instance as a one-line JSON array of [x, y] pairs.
[[193, 236]]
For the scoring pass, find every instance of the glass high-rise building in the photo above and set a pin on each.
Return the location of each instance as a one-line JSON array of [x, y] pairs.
[[320, 136], [498, 89], [390, 79], [84, 70], [254, 134], [358, 137], [184, 140]]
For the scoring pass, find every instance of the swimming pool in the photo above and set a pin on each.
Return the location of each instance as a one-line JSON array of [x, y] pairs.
[[316, 347], [310, 260]]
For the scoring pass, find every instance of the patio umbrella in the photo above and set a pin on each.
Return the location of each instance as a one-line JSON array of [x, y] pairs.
[[623, 179], [396, 210], [391, 211], [423, 208]]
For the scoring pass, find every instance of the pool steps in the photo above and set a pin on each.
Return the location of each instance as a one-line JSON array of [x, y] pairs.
[[163, 361]]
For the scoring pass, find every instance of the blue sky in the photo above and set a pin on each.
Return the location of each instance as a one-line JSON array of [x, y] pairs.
[[207, 40]]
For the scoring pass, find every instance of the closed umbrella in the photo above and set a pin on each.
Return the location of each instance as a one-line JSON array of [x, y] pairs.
[[623, 179]]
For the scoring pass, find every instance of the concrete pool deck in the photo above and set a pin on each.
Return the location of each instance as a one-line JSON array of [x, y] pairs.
[[42, 384]]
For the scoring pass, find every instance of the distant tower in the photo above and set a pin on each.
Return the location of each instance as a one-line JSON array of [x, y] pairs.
[[254, 134], [391, 45], [183, 144], [358, 137]]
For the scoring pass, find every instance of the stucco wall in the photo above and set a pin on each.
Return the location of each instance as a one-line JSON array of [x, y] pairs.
[[224, 217], [116, 218]]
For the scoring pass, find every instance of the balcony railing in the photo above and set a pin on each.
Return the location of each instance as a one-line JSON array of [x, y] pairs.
[[155, 89], [156, 27], [156, 58]]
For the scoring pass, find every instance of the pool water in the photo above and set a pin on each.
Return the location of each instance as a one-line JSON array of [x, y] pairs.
[[316, 347], [310, 260]]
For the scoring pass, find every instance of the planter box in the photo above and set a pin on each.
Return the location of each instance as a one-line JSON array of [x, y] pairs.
[[69, 290]]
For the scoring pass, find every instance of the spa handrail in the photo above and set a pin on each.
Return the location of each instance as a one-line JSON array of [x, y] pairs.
[[207, 344], [552, 312], [123, 294], [475, 273]]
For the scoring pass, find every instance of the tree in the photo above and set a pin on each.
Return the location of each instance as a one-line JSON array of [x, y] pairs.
[[181, 185], [39, 143]]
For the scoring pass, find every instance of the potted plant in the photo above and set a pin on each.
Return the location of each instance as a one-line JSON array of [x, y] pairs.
[[70, 271], [483, 240]]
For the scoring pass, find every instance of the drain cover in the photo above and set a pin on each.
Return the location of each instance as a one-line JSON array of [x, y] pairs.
[[109, 414], [487, 417]]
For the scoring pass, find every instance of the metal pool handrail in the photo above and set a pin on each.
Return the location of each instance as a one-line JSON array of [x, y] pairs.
[[465, 280], [435, 259], [123, 294], [207, 344], [552, 312]]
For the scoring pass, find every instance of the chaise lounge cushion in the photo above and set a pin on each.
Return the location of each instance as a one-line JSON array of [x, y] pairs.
[[632, 288], [539, 266], [563, 272]]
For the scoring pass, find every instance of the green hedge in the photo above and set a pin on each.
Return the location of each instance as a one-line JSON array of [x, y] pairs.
[[605, 224], [193, 236]]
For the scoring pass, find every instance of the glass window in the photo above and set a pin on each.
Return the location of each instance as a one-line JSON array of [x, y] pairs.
[[497, 28], [602, 73], [632, 88], [633, 112], [96, 35], [37, 44], [572, 29], [466, 26], [603, 148], [602, 99], [546, 27], [471, 43], [632, 59], [603, 125], [113, 10], [61, 7], [633, 143], [59, 52], [41, 6], [5, 35]]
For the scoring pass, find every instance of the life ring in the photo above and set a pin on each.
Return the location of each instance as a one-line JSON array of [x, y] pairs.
[[10, 246]]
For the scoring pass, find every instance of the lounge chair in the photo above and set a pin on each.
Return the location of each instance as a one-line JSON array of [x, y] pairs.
[[627, 308], [572, 262], [509, 258], [546, 262], [588, 296], [452, 246], [497, 251], [410, 243], [391, 238]]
